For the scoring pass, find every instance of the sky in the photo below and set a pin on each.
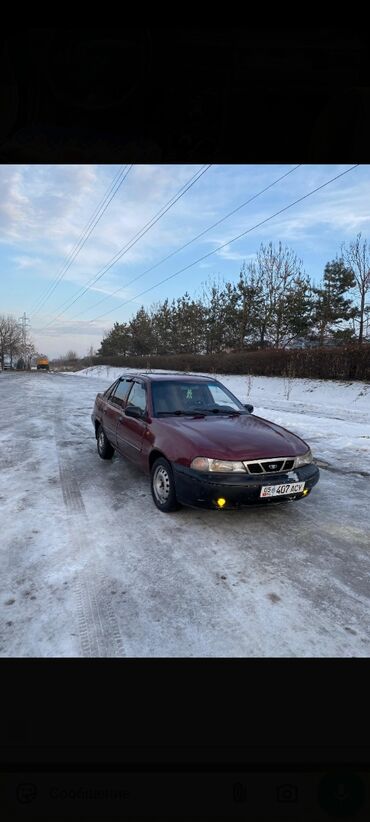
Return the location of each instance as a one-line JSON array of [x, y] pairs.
[[62, 225]]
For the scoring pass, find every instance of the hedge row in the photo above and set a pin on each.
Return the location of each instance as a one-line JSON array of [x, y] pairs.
[[350, 362]]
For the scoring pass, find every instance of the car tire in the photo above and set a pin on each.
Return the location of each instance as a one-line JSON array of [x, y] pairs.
[[105, 449], [163, 486]]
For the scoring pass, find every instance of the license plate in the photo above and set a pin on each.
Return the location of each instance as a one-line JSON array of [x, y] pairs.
[[281, 490]]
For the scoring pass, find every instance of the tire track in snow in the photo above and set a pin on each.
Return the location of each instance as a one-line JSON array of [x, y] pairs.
[[70, 490], [98, 627]]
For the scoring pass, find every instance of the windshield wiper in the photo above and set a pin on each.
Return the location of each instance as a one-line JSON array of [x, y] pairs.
[[168, 413], [228, 411], [179, 413]]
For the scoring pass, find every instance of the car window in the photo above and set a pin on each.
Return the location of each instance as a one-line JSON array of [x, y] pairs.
[[164, 397], [110, 390], [120, 392], [220, 397], [177, 396], [137, 396], [187, 397], [194, 396]]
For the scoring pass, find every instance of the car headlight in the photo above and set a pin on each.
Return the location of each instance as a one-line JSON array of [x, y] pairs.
[[220, 466], [304, 459]]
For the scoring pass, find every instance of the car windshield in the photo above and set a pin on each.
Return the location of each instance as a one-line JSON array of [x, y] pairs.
[[193, 398]]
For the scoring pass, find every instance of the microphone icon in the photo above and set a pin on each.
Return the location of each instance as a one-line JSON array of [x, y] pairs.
[[239, 792], [342, 792]]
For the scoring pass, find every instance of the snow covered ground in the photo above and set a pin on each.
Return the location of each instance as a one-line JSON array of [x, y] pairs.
[[89, 566]]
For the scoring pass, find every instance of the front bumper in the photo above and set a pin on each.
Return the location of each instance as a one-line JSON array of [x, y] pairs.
[[203, 490]]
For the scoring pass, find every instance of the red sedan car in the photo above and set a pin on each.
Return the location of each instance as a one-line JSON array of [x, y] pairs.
[[201, 446]]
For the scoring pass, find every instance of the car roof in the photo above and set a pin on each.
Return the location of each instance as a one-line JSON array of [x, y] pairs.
[[167, 377]]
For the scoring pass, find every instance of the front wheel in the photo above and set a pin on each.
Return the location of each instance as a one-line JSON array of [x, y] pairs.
[[163, 486], [105, 449]]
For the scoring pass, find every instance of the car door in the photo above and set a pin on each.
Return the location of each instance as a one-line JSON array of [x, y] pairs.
[[114, 407], [131, 431]]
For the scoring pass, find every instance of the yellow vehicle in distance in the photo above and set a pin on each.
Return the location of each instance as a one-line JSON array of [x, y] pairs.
[[42, 364]]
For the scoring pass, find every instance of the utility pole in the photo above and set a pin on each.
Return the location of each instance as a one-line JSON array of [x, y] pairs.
[[24, 324]]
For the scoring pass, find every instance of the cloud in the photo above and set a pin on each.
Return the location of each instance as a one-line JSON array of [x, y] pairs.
[[227, 254], [36, 202], [46, 208], [27, 262]]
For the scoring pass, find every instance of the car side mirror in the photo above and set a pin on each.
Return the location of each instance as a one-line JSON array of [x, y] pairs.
[[248, 407], [134, 411]]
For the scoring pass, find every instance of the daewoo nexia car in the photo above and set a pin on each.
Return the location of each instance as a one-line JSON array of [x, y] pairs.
[[200, 445]]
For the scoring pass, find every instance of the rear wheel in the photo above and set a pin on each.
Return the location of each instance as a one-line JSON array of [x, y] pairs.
[[163, 486], [105, 449]]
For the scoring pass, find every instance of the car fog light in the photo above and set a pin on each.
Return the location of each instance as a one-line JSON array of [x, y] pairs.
[[221, 502], [305, 492]]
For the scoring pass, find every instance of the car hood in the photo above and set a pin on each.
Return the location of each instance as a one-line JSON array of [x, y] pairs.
[[236, 438]]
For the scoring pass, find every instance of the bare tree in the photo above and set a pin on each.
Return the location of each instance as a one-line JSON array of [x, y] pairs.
[[3, 340], [357, 258], [10, 339], [278, 271], [29, 352], [71, 356], [90, 354]]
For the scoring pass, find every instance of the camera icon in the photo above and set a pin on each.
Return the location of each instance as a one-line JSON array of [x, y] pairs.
[[287, 793], [26, 793]]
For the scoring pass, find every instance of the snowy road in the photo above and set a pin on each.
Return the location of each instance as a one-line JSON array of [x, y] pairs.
[[89, 567]]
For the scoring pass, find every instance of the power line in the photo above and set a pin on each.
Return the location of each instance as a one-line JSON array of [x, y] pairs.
[[233, 240], [88, 231], [99, 206], [23, 324], [73, 253], [85, 234], [177, 251], [130, 243], [133, 241]]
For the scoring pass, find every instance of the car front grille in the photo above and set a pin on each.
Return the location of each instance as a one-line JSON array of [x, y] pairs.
[[275, 465]]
